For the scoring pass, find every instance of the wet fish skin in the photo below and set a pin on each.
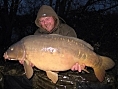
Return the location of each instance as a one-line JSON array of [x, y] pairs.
[[58, 53]]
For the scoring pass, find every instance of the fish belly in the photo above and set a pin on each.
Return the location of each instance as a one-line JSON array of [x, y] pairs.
[[54, 62]]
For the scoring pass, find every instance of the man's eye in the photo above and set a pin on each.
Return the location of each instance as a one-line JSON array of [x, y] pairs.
[[47, 18], [41, 21]]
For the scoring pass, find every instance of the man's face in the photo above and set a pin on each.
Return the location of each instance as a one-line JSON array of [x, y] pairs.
[[47, 23]]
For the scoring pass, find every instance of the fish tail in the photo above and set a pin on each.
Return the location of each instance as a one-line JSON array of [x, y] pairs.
[[99, 73], [106, 63]]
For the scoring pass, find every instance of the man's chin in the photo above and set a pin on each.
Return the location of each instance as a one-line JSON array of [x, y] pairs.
[[49, 30]]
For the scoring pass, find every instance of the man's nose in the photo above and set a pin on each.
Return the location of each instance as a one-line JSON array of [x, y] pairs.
[[45, 21]]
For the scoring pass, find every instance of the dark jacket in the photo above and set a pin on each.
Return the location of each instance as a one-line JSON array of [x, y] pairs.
[[60, 28]]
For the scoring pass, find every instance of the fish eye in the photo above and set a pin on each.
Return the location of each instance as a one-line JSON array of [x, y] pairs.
[[11, 49]]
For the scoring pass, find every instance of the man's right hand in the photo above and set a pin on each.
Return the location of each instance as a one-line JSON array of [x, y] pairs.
[[78, 67]]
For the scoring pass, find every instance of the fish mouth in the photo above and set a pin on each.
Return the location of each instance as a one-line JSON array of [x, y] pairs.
[[7, 57], [21, 60]]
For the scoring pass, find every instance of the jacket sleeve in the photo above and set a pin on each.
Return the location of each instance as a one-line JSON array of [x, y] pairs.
[[37, 32], [71, 32]]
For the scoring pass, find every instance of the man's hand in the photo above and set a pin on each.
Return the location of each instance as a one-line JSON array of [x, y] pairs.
[[78, 67], [22, 62]]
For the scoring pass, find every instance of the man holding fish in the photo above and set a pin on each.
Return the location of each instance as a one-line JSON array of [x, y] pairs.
[[61, 53], [50, 23]]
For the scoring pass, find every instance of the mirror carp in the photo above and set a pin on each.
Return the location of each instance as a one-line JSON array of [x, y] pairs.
[[53, 53]]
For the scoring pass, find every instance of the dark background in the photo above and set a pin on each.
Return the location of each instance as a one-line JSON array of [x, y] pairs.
[[95, 21]]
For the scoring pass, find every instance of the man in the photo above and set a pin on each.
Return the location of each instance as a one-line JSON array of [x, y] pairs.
[[50, 23]]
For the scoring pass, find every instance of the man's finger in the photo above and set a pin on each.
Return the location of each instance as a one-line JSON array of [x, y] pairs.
[[79, 68]]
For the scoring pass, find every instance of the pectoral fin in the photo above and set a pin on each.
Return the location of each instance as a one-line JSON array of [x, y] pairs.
[[28, 69], [52, 75]]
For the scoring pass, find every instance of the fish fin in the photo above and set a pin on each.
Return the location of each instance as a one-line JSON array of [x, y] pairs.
[[100, 73], [107, 62], [52, 75], [28, 69], [79, 40], [83, 42]]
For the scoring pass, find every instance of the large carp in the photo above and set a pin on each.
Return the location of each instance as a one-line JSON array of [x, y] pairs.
[[54, 53]]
